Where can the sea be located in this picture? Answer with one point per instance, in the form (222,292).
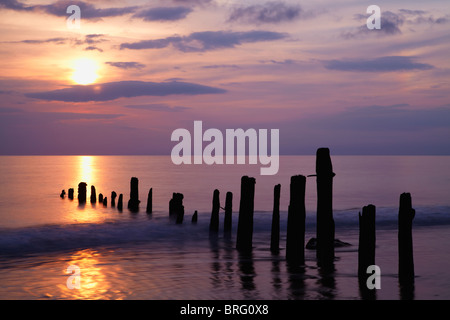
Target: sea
(54,248)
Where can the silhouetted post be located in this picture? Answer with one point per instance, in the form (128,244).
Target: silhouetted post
(228,212)
(244,239)
(105,201)
(405,245)
(63,193)
(70,194)
(295,237)
(120,202)
(113,198)
(150,201)
(367,239)
(93,195)
(100,198)
(275,234)
(82,192)
(194,217)
(214,222)
(133,203)
(325,221)
(176,208)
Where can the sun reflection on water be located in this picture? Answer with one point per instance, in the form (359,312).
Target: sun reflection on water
(86,169)
(98,280)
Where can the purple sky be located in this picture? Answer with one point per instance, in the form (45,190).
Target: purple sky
(312,69)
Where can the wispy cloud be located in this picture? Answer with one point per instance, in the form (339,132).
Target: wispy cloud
(206,40)
(157,107)
(391,22)
(59,8)
(382,64)
(270,12)
(123,89)
(163,13)
(126,65)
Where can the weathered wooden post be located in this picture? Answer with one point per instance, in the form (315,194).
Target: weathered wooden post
(367,240)
(93,195)
(100,198)
(244,239)
(150,201)
(133,203)
(179,208)
(325,221)
(295,237)
(275,232)
(63,193)
(70,193)
(227,225)
(214,222)
(105,201)
(120,202)
(82,192)
(194,217)
(113,198)
(405,244)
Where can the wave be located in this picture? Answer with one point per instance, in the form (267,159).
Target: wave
(123,232)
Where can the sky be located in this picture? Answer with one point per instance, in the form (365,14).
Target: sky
(135,71)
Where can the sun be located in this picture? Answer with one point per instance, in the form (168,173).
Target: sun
(84,71)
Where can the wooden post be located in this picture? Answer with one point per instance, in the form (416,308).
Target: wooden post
(275,234)
(194,217)
(70,193)
(228,212)
(63,193)
(120,202)
(244,239)
(150,201)
(214,222)
(367,240)
(133,203)
(100,198)
(82,192)
(295,237)
(405,245)
(325,221)
(179,207)
(93,195)
(113,198)
(105,201)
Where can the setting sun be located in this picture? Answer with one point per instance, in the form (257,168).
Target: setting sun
(84,71)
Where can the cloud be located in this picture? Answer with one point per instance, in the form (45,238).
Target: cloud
(400,117)
(89,39)
(126,65)
(283,62)
(390,25)
(59,8)
(123,89)
(270,12)
(163,14)
(392,22)
(157,107)
(206,40)
(221,66)
(91,48)
(382,64)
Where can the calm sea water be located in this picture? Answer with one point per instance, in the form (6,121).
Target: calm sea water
(125,255)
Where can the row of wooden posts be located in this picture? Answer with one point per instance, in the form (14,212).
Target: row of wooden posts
(295,237)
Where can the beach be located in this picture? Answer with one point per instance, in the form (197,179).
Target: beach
(126,255)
